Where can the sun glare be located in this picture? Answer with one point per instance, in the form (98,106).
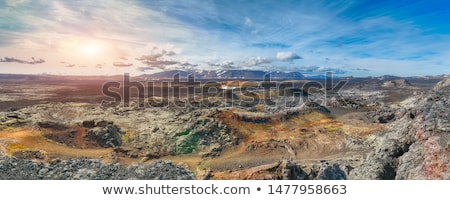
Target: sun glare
(90,50)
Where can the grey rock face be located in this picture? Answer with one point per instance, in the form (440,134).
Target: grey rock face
(291,171)
(417,146)
(108,136)
(331,172)
(18,169)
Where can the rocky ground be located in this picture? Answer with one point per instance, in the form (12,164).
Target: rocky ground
(378,129)
(155,132)
(417,146)
(91,169)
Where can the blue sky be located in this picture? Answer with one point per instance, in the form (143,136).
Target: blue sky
(359,38)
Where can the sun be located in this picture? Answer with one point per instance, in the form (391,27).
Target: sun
(90,49)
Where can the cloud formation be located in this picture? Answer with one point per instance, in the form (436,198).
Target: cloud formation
(361,69)
(394,37)
(258,60)
(14,3)
(287,56)
(187,65)
(330,69)
(162,60)
(158,60)
(143,69)
(121,64)
(16,60)
(320,70)
(226,64)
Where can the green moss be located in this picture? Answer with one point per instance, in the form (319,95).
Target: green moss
(186,132)
(126,137)
(187,145)
(333,129)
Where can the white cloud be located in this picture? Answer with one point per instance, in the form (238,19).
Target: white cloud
(16,60)
(226,64)
(121,64)
(248,21)
(287,56)
(258,60)
(14,3)
(377,42)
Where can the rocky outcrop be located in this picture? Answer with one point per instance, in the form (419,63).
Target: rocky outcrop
(397,83)
(383,115)
(289,170)
(282,170)
(88,134)
(107,136)
(52,125)
(331,172)
(18,169)
(159,131)
(206,136)
(10,120)
(417,146)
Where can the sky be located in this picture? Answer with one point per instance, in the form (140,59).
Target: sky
(107,37)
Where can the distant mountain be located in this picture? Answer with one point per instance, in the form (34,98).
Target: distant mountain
(167,74)
(225,74)
(317,76)
(398,83)
(388,77)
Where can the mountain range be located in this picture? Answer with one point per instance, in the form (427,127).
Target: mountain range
(226,74)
